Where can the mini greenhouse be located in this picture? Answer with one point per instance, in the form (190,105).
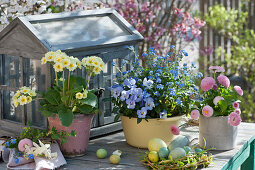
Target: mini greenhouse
(25,41)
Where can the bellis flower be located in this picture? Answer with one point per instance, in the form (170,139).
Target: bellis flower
(194,114)
(207,83)
(174,129)
(239,90)
(235,105)
(217,99)
(207,111)
(223,80)
(234,119)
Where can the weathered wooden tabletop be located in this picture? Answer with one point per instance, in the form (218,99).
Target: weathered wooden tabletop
(130,157)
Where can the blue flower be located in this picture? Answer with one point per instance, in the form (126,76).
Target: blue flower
(123,62)
(160,86)
(144,55)
(16,160)
(172,46)
(31,156)
(158,80)
(19,153)
(146,94)
(151,49)
(177,83)
(130,104)
(157,93)
(157,74)
(171,92)
(193,65)
(170,53)
(154,65)
(142,113)
(7,144)
(151,72)
(116,91)
(163,114)
(199,75)
(181,85)
(13,141)
(159,70)
(149,103)
(139,94)
(124,72)
(169,83)
(118,74)
(124,95)
(178,101)
(195,88)
(113,63)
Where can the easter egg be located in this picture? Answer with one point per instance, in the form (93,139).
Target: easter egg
(187,149)
(177,153)
(163,152)
(155,144)
(178,142)
(153,156)
(114,159)
(101,153)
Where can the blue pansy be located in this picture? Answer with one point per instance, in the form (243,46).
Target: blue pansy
(163,114)
(157,93)
(142,113)
(31,156)
(130,104)
(116,91)
(149,103)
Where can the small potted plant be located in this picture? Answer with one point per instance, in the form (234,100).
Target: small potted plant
(151,98)
(220,112)
(68,104)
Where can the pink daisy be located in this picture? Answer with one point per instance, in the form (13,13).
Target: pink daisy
(223,80)
(194,114)
(238,111)
(239,90)
(216,68)
(207,111)
(235,105)
(174,129)
(234,119)
(207,83)
(23,143)
(217,99)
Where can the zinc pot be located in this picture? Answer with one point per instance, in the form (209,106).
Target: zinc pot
(217,133)
(75,146)
(138,135)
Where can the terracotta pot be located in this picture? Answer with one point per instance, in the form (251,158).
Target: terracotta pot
(75,146)
(138,135)
(217,133)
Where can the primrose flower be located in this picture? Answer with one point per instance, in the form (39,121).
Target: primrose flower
(142,113)
(43,60)
(194,114)
(238,111)
(174,129)
(23,100)
(58,67)
(223,80)
(23,143)
(85,94)
(207,111)
(234,119)
(79,95)
(72,66)
(217,99)
(149,103)
(207,83)
(235,105)
(239,90)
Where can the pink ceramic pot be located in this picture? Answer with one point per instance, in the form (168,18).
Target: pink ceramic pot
(75,146)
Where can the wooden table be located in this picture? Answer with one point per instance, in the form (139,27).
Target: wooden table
(243,155)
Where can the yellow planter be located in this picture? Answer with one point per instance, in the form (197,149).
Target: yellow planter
(138,135)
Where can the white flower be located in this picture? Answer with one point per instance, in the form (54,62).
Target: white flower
(96,70)
(84,62)
(43,60)
(66,62)
(79,95)
(72,66)
(90,61)
(58,67)
(50,56)
(147,83)
(42,150)
(22,100)
(29,99)
(32,93)
(85,94)
(58,58)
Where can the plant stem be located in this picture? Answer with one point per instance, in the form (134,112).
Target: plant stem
(63,82)
(56,78)
(68,79)
(89,75)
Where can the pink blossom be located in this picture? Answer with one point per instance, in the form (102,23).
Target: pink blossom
(217,99)
(23,143)
(216,68)
(207,83)
(174,129)
(234,119)
(239,90)
(207,111)
(223,80)
(194,114)
(235,105)
(238,111)
(215,87)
